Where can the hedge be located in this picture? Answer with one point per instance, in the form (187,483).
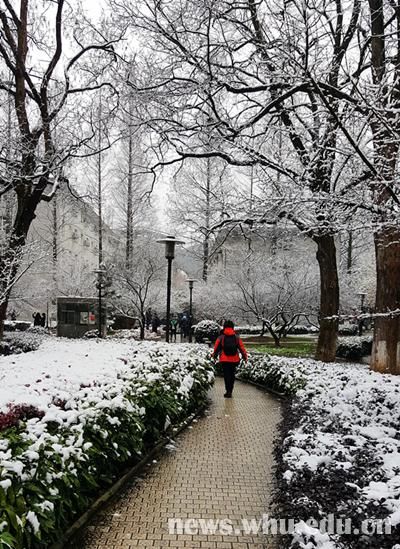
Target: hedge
(55,462)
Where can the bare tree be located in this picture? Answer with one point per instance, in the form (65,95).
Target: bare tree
(42,92)
(277,292)
(202,190)
(384,63)
(243,66)
(137,288)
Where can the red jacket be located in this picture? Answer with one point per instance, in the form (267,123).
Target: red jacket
(219,351)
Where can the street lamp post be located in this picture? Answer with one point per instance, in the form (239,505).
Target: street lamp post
(191,281)
(170,242)
(100,272)
(361,321)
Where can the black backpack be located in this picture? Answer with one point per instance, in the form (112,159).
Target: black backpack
(230,345)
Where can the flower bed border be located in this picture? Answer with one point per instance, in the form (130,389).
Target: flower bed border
(74,532)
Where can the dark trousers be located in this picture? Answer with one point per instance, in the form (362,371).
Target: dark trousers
(229,369)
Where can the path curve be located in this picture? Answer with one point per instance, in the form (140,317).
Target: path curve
(221,469)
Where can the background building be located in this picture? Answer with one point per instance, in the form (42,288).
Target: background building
(63,252)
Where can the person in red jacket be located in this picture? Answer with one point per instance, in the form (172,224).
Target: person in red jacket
(229,347)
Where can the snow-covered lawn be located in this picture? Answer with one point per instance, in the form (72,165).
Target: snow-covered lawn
(341,451)
(73,413)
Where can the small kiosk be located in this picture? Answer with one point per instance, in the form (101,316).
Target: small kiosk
(78,315)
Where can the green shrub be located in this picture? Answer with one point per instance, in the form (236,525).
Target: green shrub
(54,464)
(354,348)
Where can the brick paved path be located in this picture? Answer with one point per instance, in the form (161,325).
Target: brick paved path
(221,469)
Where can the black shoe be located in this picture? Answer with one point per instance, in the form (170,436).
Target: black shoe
(228,395)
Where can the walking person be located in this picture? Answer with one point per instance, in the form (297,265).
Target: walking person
(229,348)
(184,325)
(173,328)
(155,323)
(43,320)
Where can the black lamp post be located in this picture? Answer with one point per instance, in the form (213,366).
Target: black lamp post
(170,242)
(191,281)
(100,272)
(361,321)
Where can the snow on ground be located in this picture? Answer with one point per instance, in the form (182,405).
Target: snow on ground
(59,368)
(347,429)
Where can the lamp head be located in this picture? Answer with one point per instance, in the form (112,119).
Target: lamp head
(191,281)
(170,242)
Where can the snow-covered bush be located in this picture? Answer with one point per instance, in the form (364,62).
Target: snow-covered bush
(78,418)
(248,330)
(38,330)
(301,329)
(347,329)
(13,325)
(273,372)
(354,348)
(14,343)
(206,329)
(134,334)
(339,451)
(91,334)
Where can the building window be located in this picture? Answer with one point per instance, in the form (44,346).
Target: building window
(84,317)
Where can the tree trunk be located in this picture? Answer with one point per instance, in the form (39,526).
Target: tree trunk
(129,205)
(55,242)
(100,190)
(3,316)
(12,256)
(277,341)
(129,197)
(206,241)
(329,300)
(275,337)
(350,252)
(142,325)
(386,346)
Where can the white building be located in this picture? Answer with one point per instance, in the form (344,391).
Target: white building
(63,247)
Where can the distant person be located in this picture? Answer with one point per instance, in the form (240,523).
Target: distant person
(228,348)
(184,325)
(173,327)
(155,323)
(37,319)
(43,320)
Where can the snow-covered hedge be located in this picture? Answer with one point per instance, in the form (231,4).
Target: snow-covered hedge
(13,325)
(20,342)
(340,452)
(86,410)
(354,348)
(301,329)
(273,372)
(247,329)
(206,329)
(348,329)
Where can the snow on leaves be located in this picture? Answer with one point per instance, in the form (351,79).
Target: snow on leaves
(72,413)
(341,451)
